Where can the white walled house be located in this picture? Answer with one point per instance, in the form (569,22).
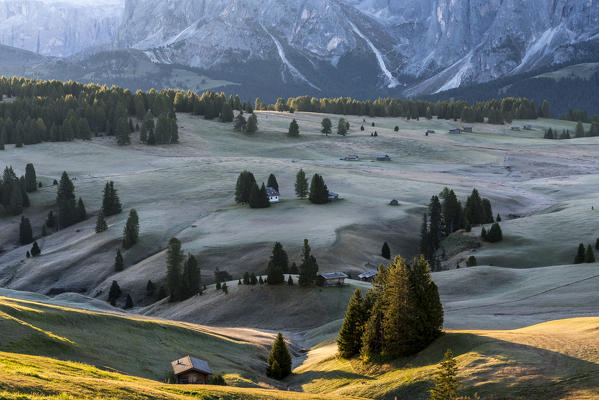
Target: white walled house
(273,195)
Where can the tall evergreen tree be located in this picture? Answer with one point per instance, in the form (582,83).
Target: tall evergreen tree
(259,197)
(589,256)
(272,182)
(293,129)
(327,126)
(252,124)
(446,380)
(101,225)
(277,265)
(580,255)
(319,193)
(174,260)
(226,113)
(191,277)
(349,339)
(131,230)
(35,250)
(386,251)
(579,130)
(25,231)
(30,178)
(245,182)
(118,261)
(435,223)
(128,302)
(301,184)
(114,293)
(279,359)
(342,127)
(111,204)
(65,199)
(80,212)
(308,269)
(494,235)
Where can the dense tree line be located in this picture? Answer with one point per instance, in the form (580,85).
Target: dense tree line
(400,315)
(446,215)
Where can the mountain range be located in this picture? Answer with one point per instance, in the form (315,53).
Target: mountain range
(363,48)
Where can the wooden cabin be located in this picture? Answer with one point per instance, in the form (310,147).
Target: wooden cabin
(383,157)
(467,129)
(368,276)
(331,279)
(515,128)
(191,370)
(455,131)
(352,157)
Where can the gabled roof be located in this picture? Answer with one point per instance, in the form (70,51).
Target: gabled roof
(271,191)
(189,363)
(334,275)
(368,274)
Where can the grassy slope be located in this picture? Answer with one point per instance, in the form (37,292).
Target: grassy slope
(554,360)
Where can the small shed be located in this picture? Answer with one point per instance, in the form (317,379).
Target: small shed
(333,196)
(191,370)
(455,131)
(368,276)
(273,194)
(467,129)
(394,202)
(383,157)
(352,157)
(332,279)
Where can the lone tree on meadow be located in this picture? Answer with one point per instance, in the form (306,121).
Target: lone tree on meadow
(278,265)
(327,126)
(279,359)
(25,231)
(319,193)
(301,184)
(252,124)
(446,380)
(349,339)
(245,182)
(580,254)
(118,261)
(342,127)
(30,178)
(114,293)
(386,251)
(589,257)
(131,231)
(35,250)
(293,129)
(111,204)
(65,199)
(272,182)
(174,260)
(101,225)
(308,269)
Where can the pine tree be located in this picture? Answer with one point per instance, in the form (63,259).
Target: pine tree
(545,109)
(483,234)
(278,265)
(240,124)
(191,277)
(435,223)
(579,130)
(114,293)
(326,126)
(128,302)
(342,127)
(245,182)
(580,255)
(80,212)
(122,131)
(35,250)
(494,235)
(118,261)
(279,359)
(349,339)
(111,204)
(30,178)
(272,182)
(174,260)
(590,255)
(386,251)
(308,269)
(498,218)
(259,197)
(446,380)
(293,129)
(101,225)
(25,231)
(319,193)
(65,199)
(252,124)
(471,262)
(597,244)
(150,288)
(131,230)
(226,113)
(301,184)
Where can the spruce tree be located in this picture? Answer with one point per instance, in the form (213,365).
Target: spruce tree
(128,302)
(80,212)
(246,278)
(114,293)
(589,255)
(279,359)
(118,261)
(191,277)
(471,262)
(174,260)
(101,225)
(252,124)
(278,265)
(308,269)
(65,199)
(111,204)
(259,197)
(293,129)
(326,126)
(253,279)
(245,182)
(150,288)
(51,220)
(579,130)
(386,251)
(226,113)
(25,231)
(319,193)
(272,182)
(349,339)
(580,255)
(446,380)
(494,235)
(435,229)
(224,288)
(131,230)
(342,127)
(428,311)
(597,244)
(30,178)
(35,250)
(301,184)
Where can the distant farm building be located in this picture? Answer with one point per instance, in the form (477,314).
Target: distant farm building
(333,196)
(515,128)
(191,370)
(368,276)
(383,157)
(394,202)
(528,127)
(467,129)
(352,157)
(273,194)
(331,279)
(455,131)
(430,131)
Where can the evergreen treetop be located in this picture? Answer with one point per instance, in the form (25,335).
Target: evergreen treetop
(279,359)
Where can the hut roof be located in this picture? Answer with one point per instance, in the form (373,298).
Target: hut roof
(334,275)
(189,363)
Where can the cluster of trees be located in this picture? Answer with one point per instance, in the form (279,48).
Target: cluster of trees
(447,216)
(494,234)
(182,273)
(579,115)
(400,315)
(278,266)
(319,192)
(115,293)
(14,190)
(497,111)
(342,127)
(585,256)
(249,125)
(248,192)
(63,111)
(163,131)
(579,132)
